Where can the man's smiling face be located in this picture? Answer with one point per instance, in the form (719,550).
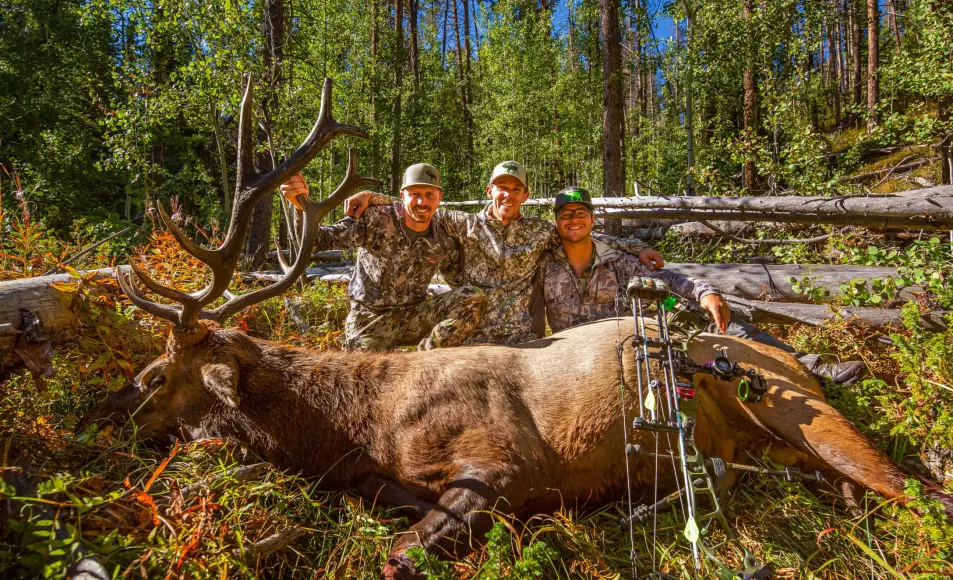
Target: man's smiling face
(420,202)
(507,194)
(574,222)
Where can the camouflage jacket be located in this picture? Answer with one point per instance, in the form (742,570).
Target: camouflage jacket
(600,291)
(392,268)
(502,261)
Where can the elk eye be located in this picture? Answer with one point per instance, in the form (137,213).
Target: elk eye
(157,381)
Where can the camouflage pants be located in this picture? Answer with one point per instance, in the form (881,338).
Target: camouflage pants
(442,320)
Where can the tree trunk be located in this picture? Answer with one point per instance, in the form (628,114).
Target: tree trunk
(259,234)
(467,82)
(751,95)
(894,27)
(853,10)
(395,164)
(873,86)
(375,113)
(613,120)
(834,68)
(414,45)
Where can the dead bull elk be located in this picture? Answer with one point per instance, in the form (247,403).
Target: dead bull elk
(449,433)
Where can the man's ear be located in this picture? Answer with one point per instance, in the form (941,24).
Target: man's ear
(221,379)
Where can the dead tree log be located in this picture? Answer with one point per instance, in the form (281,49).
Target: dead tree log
(757,282)
(930,208)
(760,312)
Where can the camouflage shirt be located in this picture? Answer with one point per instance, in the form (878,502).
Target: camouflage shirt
(600,291)
(502,260)
(393,268)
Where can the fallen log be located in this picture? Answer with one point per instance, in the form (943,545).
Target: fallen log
(930,208)
(761,312)
(772,281)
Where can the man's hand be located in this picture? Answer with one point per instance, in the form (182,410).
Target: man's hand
(355,205)
(293,189)
(651,258)
(719,310)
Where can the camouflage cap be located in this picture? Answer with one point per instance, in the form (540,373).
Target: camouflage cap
(510,168)
(572,195)
(421,174)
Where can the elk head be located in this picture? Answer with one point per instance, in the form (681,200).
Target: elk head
(199,371)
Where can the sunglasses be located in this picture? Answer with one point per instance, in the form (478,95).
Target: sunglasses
(573,214)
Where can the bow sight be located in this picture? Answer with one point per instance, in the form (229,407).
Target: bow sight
(668,393)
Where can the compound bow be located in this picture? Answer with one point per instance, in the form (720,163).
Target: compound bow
(669,396)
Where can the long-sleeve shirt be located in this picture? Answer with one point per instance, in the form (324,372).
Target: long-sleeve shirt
(394,265)
(600,292)
(502,260)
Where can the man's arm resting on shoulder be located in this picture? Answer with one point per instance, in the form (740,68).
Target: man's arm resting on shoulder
(634,246)
(355,205)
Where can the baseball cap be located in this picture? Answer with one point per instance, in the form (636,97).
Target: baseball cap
(510,168)
(572,195)
(421,174)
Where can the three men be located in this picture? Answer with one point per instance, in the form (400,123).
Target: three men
(401,247)
(583,280)
(501,251)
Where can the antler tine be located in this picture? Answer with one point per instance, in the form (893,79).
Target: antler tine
(245,172)
(313,212)
(208,256)
(249,191)
(128,286)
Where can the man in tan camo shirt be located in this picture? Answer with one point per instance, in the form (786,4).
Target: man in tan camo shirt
(401,247)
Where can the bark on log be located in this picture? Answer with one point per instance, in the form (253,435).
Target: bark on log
(759,312)
(756,281)
(36,295)
(932,210)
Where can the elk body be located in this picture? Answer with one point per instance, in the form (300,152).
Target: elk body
(448,433)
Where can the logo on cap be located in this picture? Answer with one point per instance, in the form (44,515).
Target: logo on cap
(574,194)
(430,173)
(511,167)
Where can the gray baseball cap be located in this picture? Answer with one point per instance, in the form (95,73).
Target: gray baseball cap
(421,174)
(510,168)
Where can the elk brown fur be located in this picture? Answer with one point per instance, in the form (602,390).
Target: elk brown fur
(451,433)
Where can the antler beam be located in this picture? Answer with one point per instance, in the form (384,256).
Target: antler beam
(250,187)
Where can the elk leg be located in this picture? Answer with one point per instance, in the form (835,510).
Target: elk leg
(383,491)
(462,510)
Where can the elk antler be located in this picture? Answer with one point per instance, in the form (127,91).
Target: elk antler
(250,187)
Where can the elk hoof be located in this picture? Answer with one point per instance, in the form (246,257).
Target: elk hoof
(400,568)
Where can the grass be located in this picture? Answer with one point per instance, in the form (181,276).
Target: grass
(125,504)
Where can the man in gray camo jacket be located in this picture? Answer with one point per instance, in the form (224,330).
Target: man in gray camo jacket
(583,280)
(401,247)
(501,252)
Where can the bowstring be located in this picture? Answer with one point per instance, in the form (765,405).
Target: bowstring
(625,449)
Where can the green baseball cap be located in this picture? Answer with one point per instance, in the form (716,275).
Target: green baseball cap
(510,168)
(421,174)
(572,195)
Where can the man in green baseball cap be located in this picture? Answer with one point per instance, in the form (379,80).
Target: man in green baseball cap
(584,280)
(501,251)
(400,250)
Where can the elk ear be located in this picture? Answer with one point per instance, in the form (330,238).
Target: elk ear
(221,378)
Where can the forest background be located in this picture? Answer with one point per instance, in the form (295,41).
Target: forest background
(107,107)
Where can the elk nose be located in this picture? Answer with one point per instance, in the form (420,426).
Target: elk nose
(115,408)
